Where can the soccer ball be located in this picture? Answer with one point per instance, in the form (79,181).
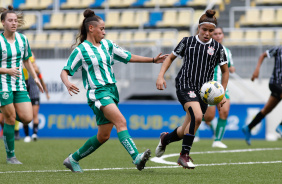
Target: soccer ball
(212,92)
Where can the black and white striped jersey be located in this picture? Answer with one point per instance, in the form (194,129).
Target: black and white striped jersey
(199,61)
(276,77)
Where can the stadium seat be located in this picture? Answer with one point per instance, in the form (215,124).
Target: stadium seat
(30,38)
(182,34)
(125,38)
(40,40)
(112,18)
(267,16)
(68,40)
(113,3)
(252,17)
(69,20)
(30,4)
(44,4)
(169,3)
(112,35)
(127,3)
(127,19)
(278,17)
(154,37)
(267,37)
(140,38)
(54,39)
(169,38)
(279,36)
(251,37)
(184,18)
(169,19)
(30,21)
(197,15)
(141,17)
(56,21)
(5,3)
(268,2)
(236,37)
(152,3)
(70,4)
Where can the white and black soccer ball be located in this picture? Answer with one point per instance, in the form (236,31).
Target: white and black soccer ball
(212,92)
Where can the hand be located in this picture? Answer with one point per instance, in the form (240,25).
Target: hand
(160,58)
(72,88)
(36,80)
(160,83)
(220,104)
(47,96)
(14,72)
(255,75)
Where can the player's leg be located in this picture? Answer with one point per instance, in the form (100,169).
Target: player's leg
(209,116)
(2,124)
(17,130)
(221,124)
(279,129)
(35,108)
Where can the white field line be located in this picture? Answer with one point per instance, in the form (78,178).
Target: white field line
(163,161)
(173,163)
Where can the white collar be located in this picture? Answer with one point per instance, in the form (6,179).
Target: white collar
(197,37)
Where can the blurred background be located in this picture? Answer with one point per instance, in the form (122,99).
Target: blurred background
(147,27)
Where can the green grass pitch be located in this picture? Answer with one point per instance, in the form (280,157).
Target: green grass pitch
(43,163)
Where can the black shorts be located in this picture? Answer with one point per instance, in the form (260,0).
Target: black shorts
(35,101)
(190,95)
(276,90)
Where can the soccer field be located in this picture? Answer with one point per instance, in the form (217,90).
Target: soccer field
(43,163)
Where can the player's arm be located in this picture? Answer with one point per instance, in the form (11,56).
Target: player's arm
(225,75)
(11,71)
(71,87)
(141,59)
(260,60)
(161,83)
(31,71)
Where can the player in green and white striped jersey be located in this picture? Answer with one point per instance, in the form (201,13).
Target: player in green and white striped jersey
(14,99)
(223,113)
(95,56)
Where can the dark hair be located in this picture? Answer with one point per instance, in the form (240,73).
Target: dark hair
(89,17)
(208,17)
(10,9)
(218,27)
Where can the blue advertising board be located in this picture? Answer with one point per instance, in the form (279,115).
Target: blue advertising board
(144,120)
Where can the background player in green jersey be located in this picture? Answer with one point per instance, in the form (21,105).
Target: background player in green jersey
(95,56)
(14,99)
(218,35)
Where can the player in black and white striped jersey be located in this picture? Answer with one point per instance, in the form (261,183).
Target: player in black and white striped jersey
(200,55)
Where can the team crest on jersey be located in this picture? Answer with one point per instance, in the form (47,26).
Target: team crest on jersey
(22,48)
(5,96)
(210,51)
(192,94)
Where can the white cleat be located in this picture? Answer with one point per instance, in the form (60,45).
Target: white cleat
(27,139)
(34,137)
(196,139)
(218,144)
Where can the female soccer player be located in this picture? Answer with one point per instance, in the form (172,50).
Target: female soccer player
(96,55)
(200,55)
(275,86)
(223,113)
(14,99)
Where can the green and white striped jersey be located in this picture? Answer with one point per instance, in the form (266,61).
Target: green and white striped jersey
(96,62)
(12,55)
(217,72)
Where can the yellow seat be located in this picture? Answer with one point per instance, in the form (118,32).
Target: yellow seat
(182,34)
(141,17)
(197,15)
(278,17)
(114,3)
(70,4)
(152,3)
(251,37)
(67,40)
(126,19)
(154,37)
(125,38)
(112,35)
(169,3)
(236,37)
(54,39)
(30,19)
(169,19)
(69,20)
(267,37)
(184,18)
(56,21)
(29,4)
(197,3)
(30,38)
(169,38)
(252,17)
(43,4)
(127,3)
(112,18)
(40,40)
(279,36)
(267,16)
(139,38)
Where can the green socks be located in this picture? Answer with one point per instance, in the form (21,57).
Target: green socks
(128,143)
(89,147)
(220,129)
(9,139)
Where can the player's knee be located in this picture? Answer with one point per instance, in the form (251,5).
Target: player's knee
(104,137)
(26,119)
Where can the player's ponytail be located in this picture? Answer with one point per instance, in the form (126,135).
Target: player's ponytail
(89,18)
(208,17)
(10,9)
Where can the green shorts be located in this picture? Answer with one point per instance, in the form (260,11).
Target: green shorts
(8,97)
(102,97)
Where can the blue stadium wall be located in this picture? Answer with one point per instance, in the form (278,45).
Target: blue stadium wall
(145,120)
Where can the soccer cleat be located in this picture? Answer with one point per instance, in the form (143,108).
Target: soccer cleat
(196,139)
(13,160)
(27,139)
(218,144)
(141,159)
(34,137)
(161,146)
(247,133)
(185,161)
(279,130)
(17,136)
(71,164)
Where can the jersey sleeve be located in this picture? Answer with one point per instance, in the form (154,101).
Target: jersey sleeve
(27,51)
(272,52)
(229,57)
(179,50)
(222,56)
(120,55)
(74,62)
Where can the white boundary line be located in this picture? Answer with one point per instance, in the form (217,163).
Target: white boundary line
(172,164)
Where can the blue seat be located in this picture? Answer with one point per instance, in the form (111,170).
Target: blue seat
(97,3)
(154,18)
(139,3)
